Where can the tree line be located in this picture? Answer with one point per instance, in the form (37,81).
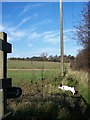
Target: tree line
(44,57)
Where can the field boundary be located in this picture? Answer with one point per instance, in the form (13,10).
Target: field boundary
(32,69)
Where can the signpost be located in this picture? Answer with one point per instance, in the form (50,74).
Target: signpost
(13,92)
(6,89)
(3,72)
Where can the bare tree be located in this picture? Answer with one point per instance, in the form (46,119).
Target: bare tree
(83,29)
(83,37)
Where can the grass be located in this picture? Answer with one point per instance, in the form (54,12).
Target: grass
(22,64)
(32,75)
(57,107)
(82,79)
(41,99)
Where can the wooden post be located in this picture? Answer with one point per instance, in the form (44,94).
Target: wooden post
(61,38)
(3,74)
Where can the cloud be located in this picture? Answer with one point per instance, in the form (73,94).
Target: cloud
(24,20)
(18,34)
(31,35)
(28,7)
(14,28)
(49,51)
(14,34)
(30,45)
(68,30)
(13,37)
(52,37)
(47,36)
(72,50)
(1,28)
(68,34)
(35,35)
(41,23)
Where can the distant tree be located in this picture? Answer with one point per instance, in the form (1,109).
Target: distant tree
(27,58)
(56,58)
(44,56)
(50,58)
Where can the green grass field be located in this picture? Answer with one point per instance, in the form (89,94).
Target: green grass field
(22,64)
(32,71)
(40,80)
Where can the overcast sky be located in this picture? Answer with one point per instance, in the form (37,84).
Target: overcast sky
(33,28)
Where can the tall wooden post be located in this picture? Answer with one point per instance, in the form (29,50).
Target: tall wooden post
(3,74)
(6,89)
(61,38)
(4,81)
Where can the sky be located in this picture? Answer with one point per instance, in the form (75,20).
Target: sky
(33,28)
